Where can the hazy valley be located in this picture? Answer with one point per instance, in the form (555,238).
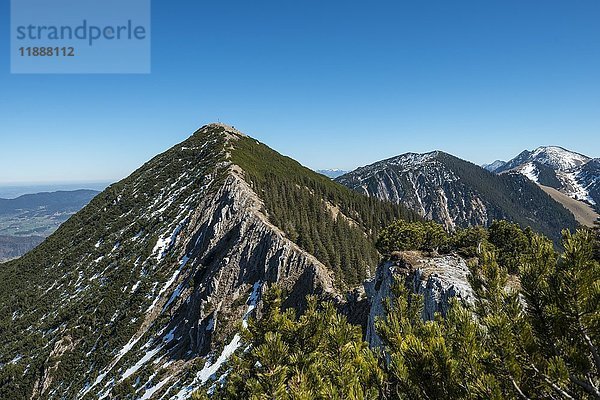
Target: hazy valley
(26,220)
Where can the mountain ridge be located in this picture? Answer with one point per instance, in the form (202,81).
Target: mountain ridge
(494,165)
(332,172)
(458,193)
(71,199)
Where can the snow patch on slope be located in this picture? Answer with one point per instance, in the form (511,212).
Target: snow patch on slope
(530,172)
(150,392)
(164,244)
(575,189)
(147,357)
(168,283)
(209,370)
(558,158)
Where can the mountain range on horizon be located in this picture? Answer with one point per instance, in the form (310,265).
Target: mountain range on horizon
(143,292)
(14,190)
(570,178)
(332,173)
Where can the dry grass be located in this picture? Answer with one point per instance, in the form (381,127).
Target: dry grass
(584,213)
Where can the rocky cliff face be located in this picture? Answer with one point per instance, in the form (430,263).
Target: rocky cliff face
(438,279)
(423,183)
(588,178)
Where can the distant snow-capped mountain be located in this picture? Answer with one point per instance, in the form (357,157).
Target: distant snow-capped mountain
(332,173)
(494,166)
(555,157)
(574,174)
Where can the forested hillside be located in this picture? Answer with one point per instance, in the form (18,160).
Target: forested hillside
(514,198)
(15,246)
(323,217)
(26,220)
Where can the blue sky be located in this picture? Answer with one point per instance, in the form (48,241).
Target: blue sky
(333,84)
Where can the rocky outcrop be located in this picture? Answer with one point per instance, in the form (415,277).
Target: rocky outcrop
(437,278)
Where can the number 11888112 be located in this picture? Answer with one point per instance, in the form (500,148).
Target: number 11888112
(47,52)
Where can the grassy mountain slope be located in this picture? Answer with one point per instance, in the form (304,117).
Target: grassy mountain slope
(584,213)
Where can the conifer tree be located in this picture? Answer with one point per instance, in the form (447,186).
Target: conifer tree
(470,242)
(434,236)
(563,303)
(511,242)
(440,359)
(316,356)
(499,312)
